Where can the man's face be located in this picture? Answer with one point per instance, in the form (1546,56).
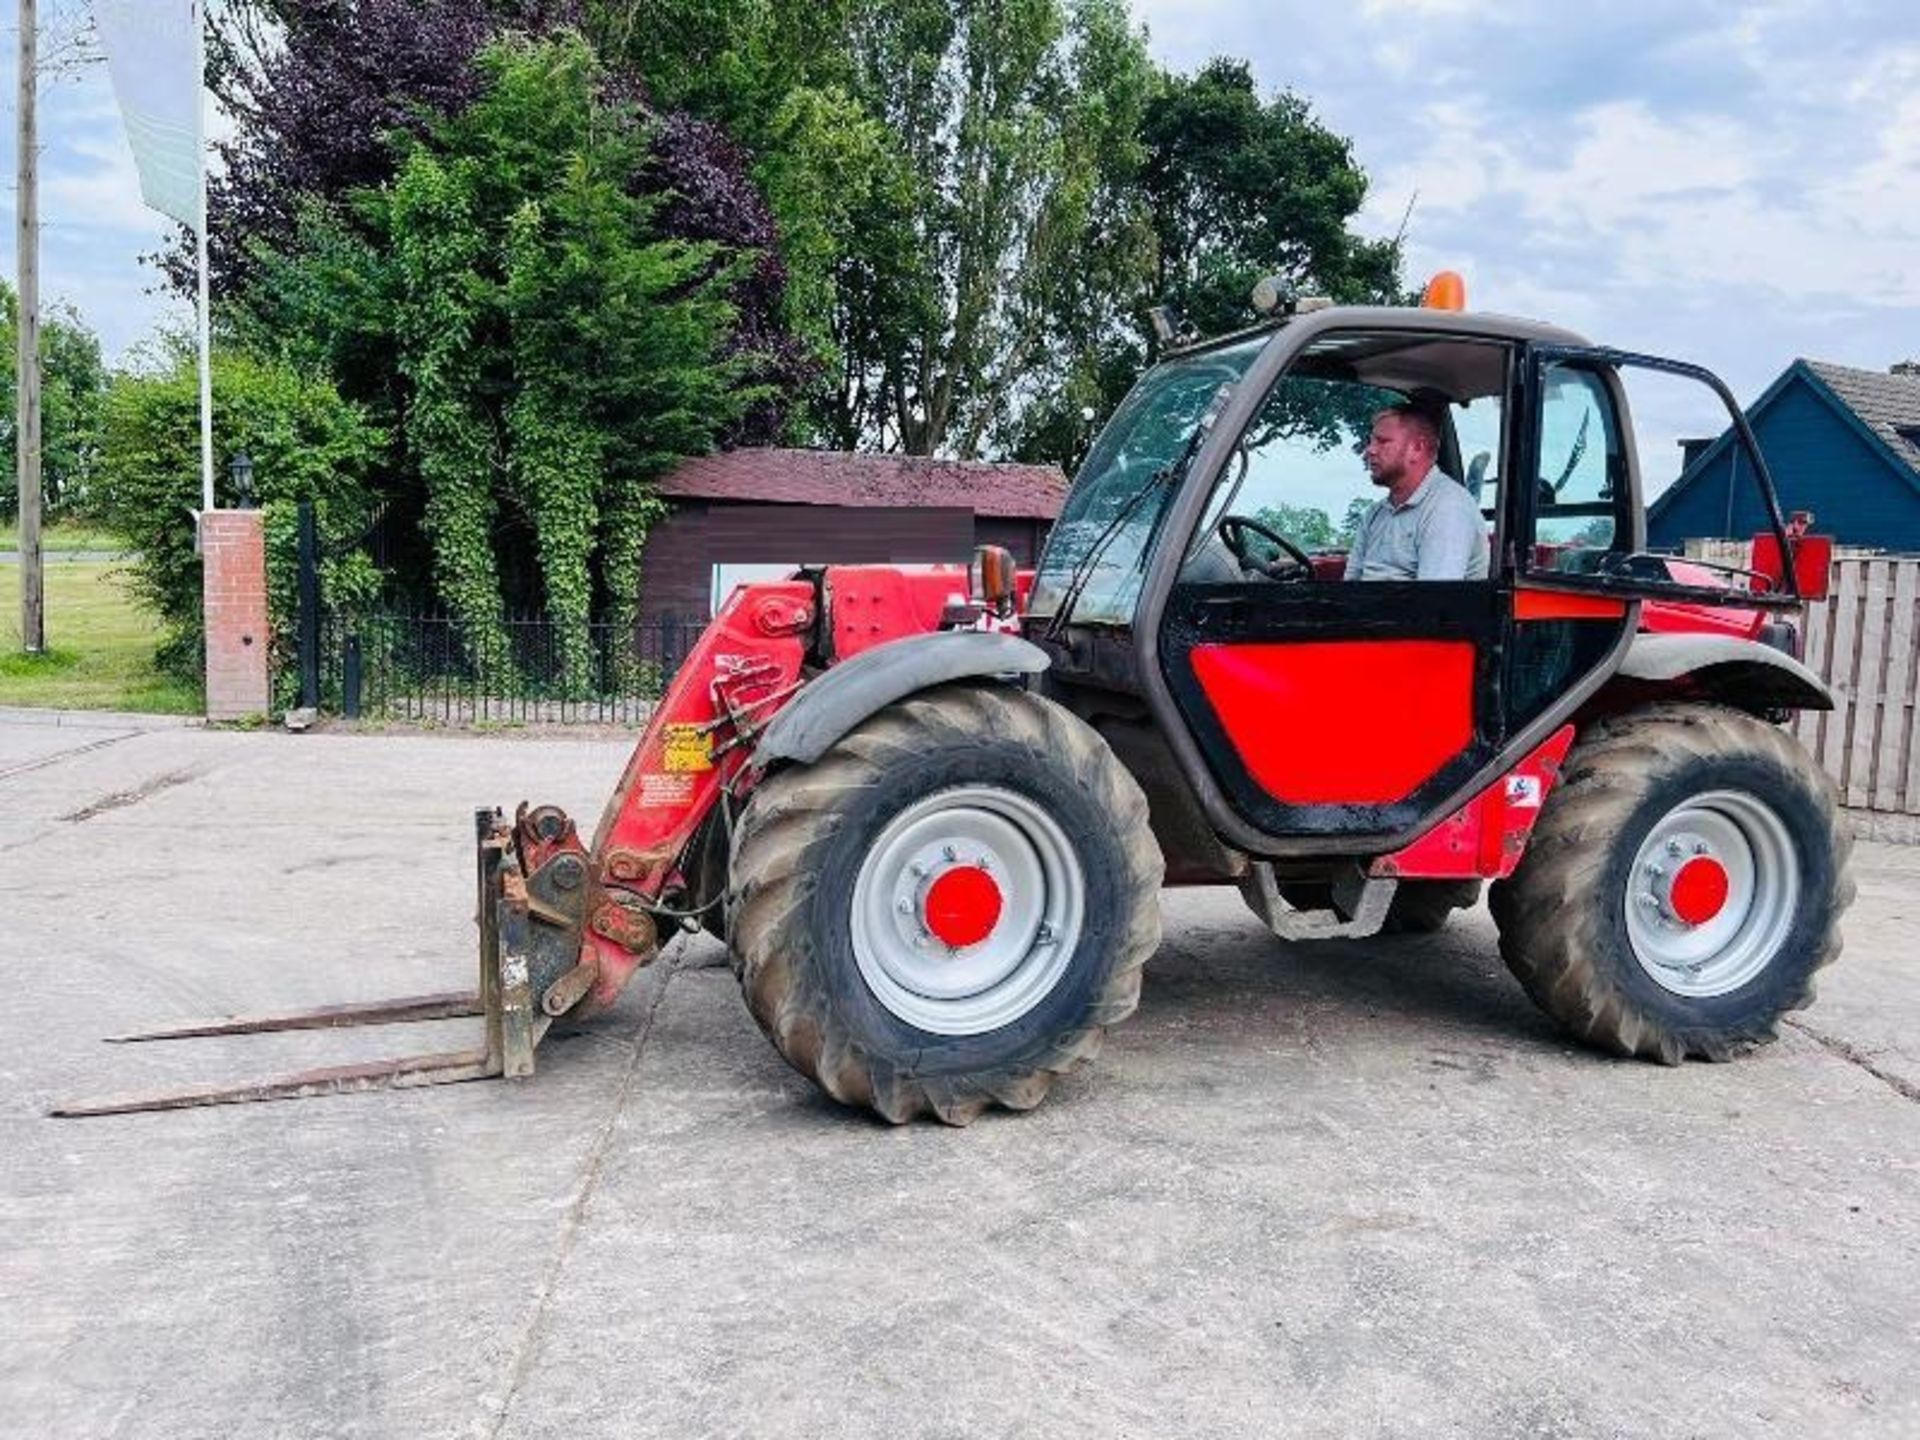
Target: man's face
(1395,451)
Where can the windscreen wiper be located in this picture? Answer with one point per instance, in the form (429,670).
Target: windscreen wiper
(1168,474)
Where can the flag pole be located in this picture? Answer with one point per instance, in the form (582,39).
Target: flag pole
(206,324)
(28,462)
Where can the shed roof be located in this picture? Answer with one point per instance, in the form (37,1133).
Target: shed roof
(835,477)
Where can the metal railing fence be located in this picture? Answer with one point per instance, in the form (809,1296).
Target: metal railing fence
(425,668)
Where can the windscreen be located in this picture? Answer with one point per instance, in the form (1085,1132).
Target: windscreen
(1148,432)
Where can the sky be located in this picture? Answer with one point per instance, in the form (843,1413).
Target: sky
(1736,184)
(1732,184)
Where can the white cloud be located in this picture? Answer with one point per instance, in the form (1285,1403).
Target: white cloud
(96,186)
(1373,9)
(1670,204)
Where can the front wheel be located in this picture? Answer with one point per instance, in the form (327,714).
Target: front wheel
(1682,888)
(948,909)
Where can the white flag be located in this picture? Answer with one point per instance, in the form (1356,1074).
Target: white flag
(153,54)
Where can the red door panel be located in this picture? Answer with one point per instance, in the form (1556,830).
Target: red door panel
(1357,722)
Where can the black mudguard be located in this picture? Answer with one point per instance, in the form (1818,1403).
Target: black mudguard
(843,696)
(1741,672)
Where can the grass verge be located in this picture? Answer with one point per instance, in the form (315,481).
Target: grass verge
(55,539)
(99,646)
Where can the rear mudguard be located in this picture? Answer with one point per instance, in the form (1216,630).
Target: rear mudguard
(1741,672)
(841,697)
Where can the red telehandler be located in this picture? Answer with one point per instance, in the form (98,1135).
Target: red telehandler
(931,811)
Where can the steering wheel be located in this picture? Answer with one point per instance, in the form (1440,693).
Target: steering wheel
(1234,530)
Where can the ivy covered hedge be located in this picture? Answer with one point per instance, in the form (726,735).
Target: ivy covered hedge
(545,346)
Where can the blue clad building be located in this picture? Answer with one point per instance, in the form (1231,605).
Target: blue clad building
(1841,443)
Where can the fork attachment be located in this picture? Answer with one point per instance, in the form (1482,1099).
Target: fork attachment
(530,928)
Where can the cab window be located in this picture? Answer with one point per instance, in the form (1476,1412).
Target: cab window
(1294,494)
(1582,480)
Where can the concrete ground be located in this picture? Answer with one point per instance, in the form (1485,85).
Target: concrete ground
(1308,1190)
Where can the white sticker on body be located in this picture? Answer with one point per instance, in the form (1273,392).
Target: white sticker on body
(657,790)
(1523,792)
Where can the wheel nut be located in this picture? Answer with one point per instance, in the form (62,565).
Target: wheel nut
(1674,847)
(905,907)
(950,853)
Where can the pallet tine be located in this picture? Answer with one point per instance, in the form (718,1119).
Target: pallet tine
(447,1005)
(505,998)
(407,1072)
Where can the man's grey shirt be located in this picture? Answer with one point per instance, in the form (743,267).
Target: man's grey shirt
(1437,535)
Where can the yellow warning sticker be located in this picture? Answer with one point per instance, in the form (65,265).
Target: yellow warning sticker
(685,749)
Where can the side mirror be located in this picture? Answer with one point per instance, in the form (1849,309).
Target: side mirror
(993,579)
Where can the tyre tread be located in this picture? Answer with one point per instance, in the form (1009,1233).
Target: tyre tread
(1546,913)
(792,811)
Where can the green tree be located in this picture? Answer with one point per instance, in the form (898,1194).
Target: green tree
(1240,187)
(1308,526)
(549,351)
(73,384)
(955,190)
(978,202)
(1350,523)
(306,444)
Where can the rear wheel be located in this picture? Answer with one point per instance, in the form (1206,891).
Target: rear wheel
(1684,884)
(948,909)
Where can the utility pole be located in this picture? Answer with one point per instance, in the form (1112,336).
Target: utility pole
(33,635)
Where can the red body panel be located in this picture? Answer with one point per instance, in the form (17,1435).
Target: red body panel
(1563,605)
(1344,721)
(868,605)
(1812,563)
(744,668)
(1667,617)
(1486,837)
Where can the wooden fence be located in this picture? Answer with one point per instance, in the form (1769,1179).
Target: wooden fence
(1861,641)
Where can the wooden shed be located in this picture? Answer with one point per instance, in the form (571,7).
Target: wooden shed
(746,511)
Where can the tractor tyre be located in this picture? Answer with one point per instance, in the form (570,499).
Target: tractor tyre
(1419,907)
(1682,887)
(948,909)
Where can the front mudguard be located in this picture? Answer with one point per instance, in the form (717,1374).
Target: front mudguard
(839,698)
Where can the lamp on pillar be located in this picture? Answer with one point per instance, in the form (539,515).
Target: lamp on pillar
(241,469)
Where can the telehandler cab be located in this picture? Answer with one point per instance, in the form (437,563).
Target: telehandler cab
(931,812)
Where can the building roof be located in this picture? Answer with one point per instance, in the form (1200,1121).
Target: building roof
(834,477)
(1887,404)
(1882,406)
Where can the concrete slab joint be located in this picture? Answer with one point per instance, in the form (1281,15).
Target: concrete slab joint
(234,604)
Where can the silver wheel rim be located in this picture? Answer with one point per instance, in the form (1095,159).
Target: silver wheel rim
(975,988)
(1751,845)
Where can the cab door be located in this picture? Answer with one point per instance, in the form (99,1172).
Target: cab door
(1325,709)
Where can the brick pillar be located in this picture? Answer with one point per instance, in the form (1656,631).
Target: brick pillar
(233,557)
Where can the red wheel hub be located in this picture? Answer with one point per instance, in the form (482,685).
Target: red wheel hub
(963,906)
(1699,890)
